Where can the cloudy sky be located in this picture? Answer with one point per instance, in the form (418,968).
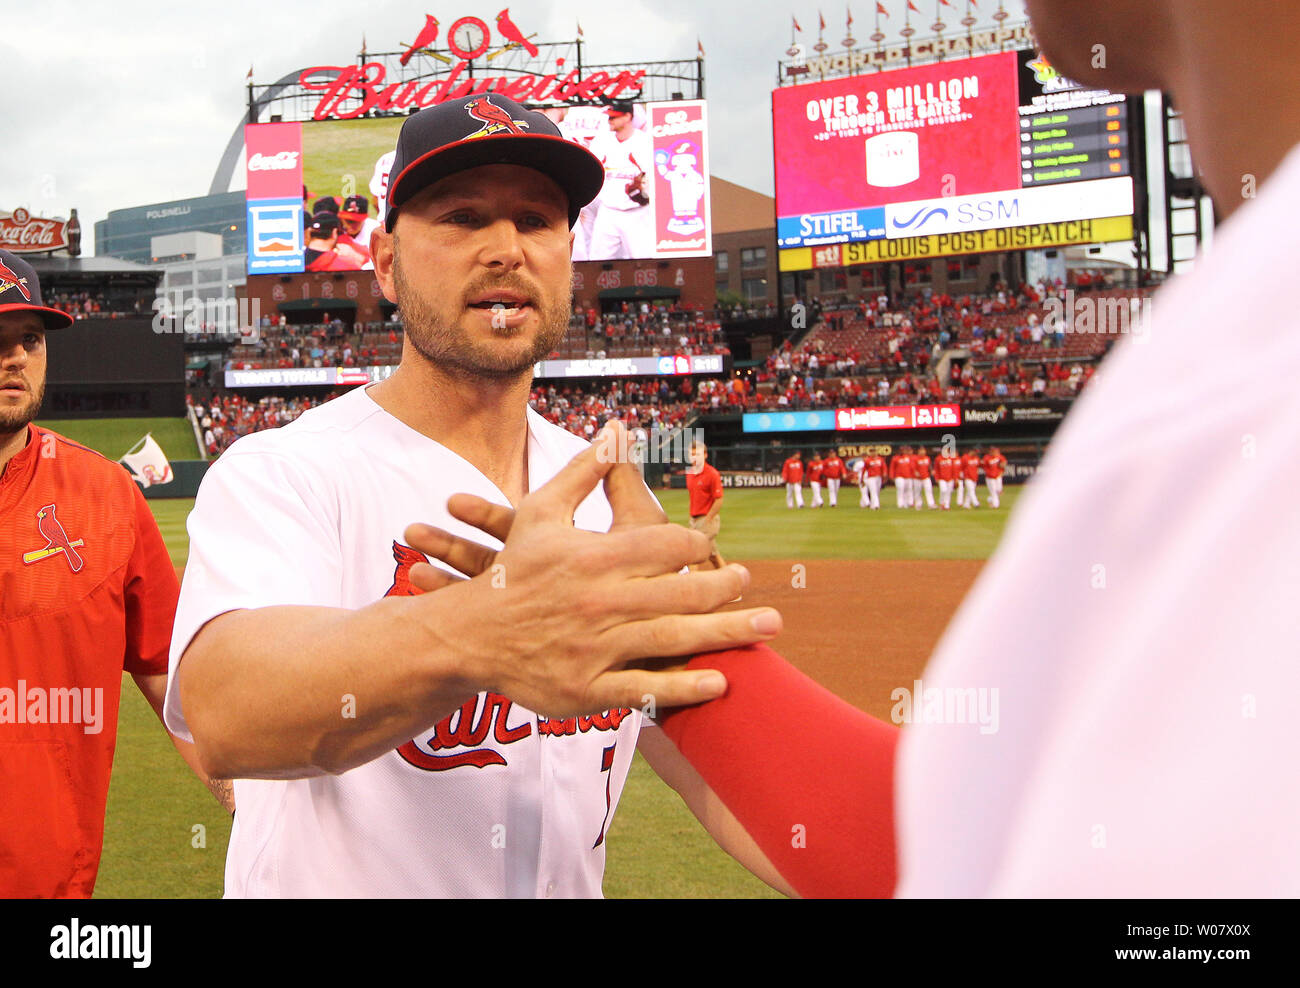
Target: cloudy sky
(124,104)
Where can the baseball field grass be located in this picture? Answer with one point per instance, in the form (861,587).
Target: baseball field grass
(166,837)
(338,159)
(114,437)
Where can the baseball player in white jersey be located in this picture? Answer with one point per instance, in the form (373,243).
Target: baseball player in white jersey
(471,739)
(582,125)
(624,226)
(379,182)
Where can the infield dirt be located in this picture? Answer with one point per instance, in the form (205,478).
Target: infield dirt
(861,628)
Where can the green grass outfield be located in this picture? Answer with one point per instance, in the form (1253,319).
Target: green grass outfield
(113,437)
(338,159)
(655,848)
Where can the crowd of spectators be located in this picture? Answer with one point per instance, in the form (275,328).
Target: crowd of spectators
(642,329)
(227,417)
(95,305)
(1001,346)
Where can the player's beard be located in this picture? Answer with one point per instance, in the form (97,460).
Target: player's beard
(13,420)
(447,345)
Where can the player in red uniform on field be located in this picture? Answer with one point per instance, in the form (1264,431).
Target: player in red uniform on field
(900,471)
(833,471)
(994,464)
(921,482)
(815,479)
(88,592)
(948,469)
(704,484)
(873,472)
(970,468)
(792,474)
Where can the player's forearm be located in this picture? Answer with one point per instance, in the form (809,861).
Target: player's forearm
(293,692)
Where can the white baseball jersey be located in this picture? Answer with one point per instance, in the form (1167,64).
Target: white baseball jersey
(624,161)
(1148,729)
(583,124)
(492,801)
(379,181)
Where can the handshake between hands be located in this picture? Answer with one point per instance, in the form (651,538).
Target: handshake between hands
(568,622)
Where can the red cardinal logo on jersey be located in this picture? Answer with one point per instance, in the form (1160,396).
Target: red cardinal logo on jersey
(495,119)
(406,558)
(511,33)
(56,541)
(8,280)
(469,726)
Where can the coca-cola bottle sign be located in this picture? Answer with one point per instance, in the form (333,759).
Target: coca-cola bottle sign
(21,232)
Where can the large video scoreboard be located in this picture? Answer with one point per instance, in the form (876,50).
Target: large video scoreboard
(987,153)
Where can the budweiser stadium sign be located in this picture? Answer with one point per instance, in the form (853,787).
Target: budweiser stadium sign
(350,91)
(21,232)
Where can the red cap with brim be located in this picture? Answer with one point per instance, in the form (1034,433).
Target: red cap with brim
(20,291)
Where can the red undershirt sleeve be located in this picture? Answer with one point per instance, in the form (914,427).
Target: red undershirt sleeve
(810,777)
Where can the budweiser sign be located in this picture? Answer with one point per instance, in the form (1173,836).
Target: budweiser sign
(350,91)
(283,161)
(21,232)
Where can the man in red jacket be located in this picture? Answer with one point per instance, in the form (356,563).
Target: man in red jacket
(792,474)
(89,591)
(704,485)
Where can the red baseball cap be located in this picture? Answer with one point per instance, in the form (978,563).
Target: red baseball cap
(20,291)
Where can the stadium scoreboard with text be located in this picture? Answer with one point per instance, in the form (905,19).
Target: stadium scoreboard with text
(933,155)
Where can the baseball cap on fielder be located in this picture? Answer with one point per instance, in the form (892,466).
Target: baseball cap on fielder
(324,223)
(355,208)
(20,291)
(488,129)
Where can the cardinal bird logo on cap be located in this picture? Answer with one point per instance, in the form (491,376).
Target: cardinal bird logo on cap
(495,119)
(8,280)
(56,541)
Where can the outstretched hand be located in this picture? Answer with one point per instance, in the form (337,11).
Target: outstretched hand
(573,613)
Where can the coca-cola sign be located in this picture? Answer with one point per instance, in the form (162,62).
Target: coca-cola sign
(281,161)
(351,91)
(21,232)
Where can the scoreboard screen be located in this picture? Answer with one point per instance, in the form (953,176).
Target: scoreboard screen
(947,149)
